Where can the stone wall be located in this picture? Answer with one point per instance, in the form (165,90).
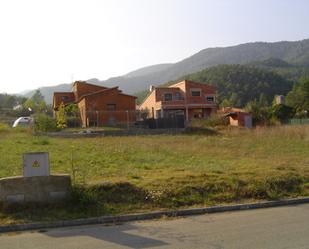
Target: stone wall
(42,189)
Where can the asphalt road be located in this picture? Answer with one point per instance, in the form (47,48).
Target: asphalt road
(281,227)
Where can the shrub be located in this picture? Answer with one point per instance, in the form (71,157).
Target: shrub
(61,118)
(82,196)
(206,126)
(121,192)
(73,122)
(212,121)
(44,123)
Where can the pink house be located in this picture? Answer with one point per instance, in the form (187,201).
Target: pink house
(186,98)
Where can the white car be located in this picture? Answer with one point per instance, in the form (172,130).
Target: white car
(22,121)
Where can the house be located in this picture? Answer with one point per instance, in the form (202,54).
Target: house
(186,98)
(237,117)
(98,105)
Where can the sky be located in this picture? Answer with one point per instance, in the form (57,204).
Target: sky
(49,42)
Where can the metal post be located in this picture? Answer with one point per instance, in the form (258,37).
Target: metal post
(187,113)
(128,121)
(97,118)
(72,166)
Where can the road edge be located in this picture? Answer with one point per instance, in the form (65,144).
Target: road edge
(150,215)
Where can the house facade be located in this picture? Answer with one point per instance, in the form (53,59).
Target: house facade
(98,105)
(186,98)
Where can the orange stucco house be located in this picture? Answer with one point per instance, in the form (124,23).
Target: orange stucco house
(98,105)
(186,98)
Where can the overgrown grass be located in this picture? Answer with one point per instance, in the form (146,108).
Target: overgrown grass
(134,173)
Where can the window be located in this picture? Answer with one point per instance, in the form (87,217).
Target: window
(195,92)
(210,99)
(64,98)
(178,96)
(168,97)
(111,107)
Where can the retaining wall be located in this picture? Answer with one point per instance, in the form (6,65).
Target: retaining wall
(40,189)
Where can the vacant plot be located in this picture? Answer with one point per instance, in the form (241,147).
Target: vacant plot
(125,174)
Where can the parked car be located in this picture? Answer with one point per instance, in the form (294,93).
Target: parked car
(22,121)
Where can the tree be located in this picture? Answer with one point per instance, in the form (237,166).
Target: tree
(29,104)
(234,100)
(299,97)
(263,100)
(260,114)
(225,103)
(36,103)
(72,110)
(9,101)
(60,117)
(282,112)
(37,97)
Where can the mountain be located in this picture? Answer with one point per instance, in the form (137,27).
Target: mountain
(295,54)
(48,91)
(148,70)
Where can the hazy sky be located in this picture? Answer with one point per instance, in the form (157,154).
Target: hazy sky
(50,42)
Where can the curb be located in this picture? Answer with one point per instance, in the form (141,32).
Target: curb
(151,215)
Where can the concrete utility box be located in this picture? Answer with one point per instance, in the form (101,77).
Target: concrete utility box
(36,184)
(35,164)
(41,189)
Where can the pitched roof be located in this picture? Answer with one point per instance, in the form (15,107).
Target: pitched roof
(86,83)
(104,91)
(57,98)
(166,88)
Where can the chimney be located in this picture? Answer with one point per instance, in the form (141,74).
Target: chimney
(279,100)
(151,88)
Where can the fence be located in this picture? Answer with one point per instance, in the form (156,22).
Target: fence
(166,123)
(114,118)
(8,116)
(295,121)
(124,119)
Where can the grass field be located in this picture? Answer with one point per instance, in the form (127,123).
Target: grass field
(134,173)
